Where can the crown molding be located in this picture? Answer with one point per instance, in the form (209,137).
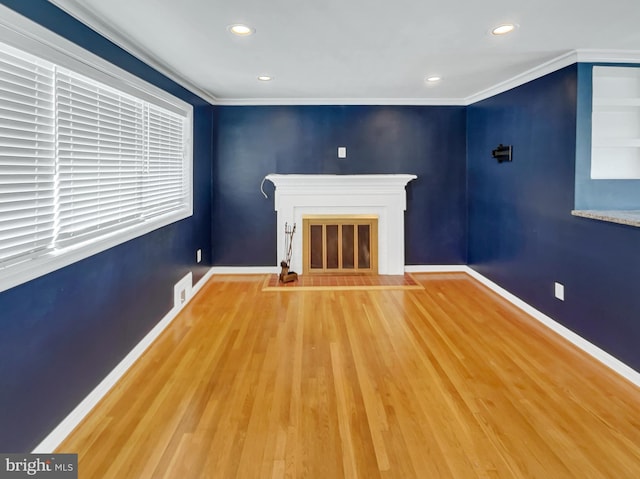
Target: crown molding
(84,15)
(608,56)
(541,70)
(341,101)
(122,40)
(564,60)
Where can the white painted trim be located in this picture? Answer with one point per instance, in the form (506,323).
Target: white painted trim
(82,14)
(69,423)
(561,61)
(550,66)
(14,275)
(27,35)
(245,269)
(436,268)
(608,56)
(201,282)
(342,101)
(564,60)
(74,418)
(381,195)
(605,358)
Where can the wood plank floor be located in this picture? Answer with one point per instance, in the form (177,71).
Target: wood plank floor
(446,382)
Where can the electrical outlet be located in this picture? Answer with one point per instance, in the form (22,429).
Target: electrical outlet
(342,152)
(198,256)
(559,291)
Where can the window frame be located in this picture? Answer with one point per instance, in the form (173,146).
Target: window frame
(25,35)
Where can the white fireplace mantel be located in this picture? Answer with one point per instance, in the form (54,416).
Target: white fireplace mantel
(380,195)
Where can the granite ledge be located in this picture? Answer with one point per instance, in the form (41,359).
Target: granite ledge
(623,217)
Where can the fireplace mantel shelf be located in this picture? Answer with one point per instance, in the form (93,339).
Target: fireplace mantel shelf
(298,181)
(381,195)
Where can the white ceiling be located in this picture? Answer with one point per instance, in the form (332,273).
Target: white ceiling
(362,51)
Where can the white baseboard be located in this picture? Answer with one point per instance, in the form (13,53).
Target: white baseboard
(245,269)
(436,268)
(605,358)
(69,423)
(74,418)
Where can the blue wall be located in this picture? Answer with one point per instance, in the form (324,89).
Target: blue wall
(521,233)
(61,334)
(255,141)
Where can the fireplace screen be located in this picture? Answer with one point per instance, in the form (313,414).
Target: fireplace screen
(340,244)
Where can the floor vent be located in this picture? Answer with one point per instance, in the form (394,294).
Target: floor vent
(182,290)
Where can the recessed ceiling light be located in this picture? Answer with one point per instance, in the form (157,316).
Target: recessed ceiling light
(241,30)
(504,29)
(265,78)
(433,79)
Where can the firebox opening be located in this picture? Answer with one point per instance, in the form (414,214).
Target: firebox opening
(340,244)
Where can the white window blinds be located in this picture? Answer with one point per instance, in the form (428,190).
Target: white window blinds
(80,159)
(163,186)
(100,157)
(27,156)
(119,159)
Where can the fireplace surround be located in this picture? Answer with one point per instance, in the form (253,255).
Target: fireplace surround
(381,195)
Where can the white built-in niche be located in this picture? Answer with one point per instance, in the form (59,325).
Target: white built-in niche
(615,136)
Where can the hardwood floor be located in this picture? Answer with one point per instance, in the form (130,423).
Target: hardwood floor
(446,382)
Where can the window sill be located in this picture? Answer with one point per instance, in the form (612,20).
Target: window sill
(623,217)
(19,273)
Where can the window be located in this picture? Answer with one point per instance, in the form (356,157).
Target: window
(88,159)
